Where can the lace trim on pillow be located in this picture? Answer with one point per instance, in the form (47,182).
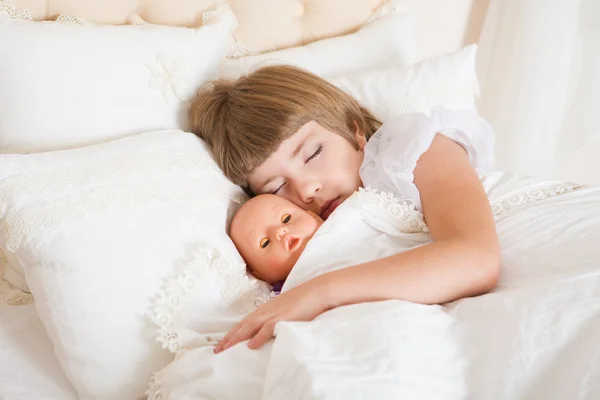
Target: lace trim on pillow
(389,7)
(51,214)
(207,269)
(125,167)
(407,219)
(389,209)
(135,19)
(502,208)
(238,50)
(235,49)
(69,19)
(154,391)
(9,11)
(8,293)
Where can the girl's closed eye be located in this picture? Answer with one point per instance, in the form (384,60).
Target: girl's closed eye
(278,189)
(264,242)
(315,154)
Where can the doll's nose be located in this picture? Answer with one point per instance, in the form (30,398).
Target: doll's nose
(281,232)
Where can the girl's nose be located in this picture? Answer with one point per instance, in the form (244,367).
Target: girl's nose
(308,190)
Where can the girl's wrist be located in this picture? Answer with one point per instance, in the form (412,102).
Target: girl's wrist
(326,292)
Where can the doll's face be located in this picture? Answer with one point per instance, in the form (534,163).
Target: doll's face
(270,233)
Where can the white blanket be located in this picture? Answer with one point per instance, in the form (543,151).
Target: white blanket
(534,337)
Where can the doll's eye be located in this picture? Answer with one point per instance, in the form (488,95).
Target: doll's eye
(286,218)
(264,242)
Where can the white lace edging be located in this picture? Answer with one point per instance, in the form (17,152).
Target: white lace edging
(130,166)
(118,183)
(389,209)
(235,48)
(503,207)
(208,268)
(136,19)
(9,11)
(407,219)
(154,391)
(51,214)
(10,294)
(389,7)
(70,19)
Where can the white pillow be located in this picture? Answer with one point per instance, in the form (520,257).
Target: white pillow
(448,80)
(100,229)
(68,85)
(385,42)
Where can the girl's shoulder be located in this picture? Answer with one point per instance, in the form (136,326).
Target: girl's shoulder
(392,153)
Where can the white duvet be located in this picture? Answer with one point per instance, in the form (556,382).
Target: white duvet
(536,336)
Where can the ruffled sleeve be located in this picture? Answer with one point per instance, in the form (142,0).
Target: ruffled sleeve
(391,154)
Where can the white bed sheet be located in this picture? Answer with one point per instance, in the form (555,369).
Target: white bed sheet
(28,367)
(534,337)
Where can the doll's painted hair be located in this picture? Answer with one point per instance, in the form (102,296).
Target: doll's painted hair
(244,121)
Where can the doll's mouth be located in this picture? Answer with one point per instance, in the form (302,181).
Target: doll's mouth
(292,242)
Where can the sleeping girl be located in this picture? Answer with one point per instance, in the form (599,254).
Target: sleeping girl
(284,131)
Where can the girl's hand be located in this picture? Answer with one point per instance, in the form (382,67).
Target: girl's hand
(303,303)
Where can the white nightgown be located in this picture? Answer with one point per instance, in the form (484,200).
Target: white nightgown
(391,154)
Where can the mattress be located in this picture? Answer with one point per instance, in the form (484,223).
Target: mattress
(28,367)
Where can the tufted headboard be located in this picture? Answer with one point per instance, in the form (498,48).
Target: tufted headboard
(443,25)
(262,23)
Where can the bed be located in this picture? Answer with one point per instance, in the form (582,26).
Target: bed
(122,310)
(30,369)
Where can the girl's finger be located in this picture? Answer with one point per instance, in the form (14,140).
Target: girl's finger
(246,331)
(220,346)
(223,342)
(264,335)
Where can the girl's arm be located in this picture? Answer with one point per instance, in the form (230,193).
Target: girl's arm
(463,260)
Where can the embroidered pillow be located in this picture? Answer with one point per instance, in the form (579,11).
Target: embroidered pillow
(101,229)
(66,85)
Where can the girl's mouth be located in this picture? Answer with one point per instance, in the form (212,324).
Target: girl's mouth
(330,208)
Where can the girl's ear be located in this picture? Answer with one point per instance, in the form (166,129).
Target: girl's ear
(360,137)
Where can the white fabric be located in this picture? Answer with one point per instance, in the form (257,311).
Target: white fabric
(99,230)
(390,348)
(28,367)
(68,85)
(386,42)
(391,155)
(447,80)
(534,337)
(538,64)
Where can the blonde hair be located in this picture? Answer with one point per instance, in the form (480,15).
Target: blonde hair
(245,121)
